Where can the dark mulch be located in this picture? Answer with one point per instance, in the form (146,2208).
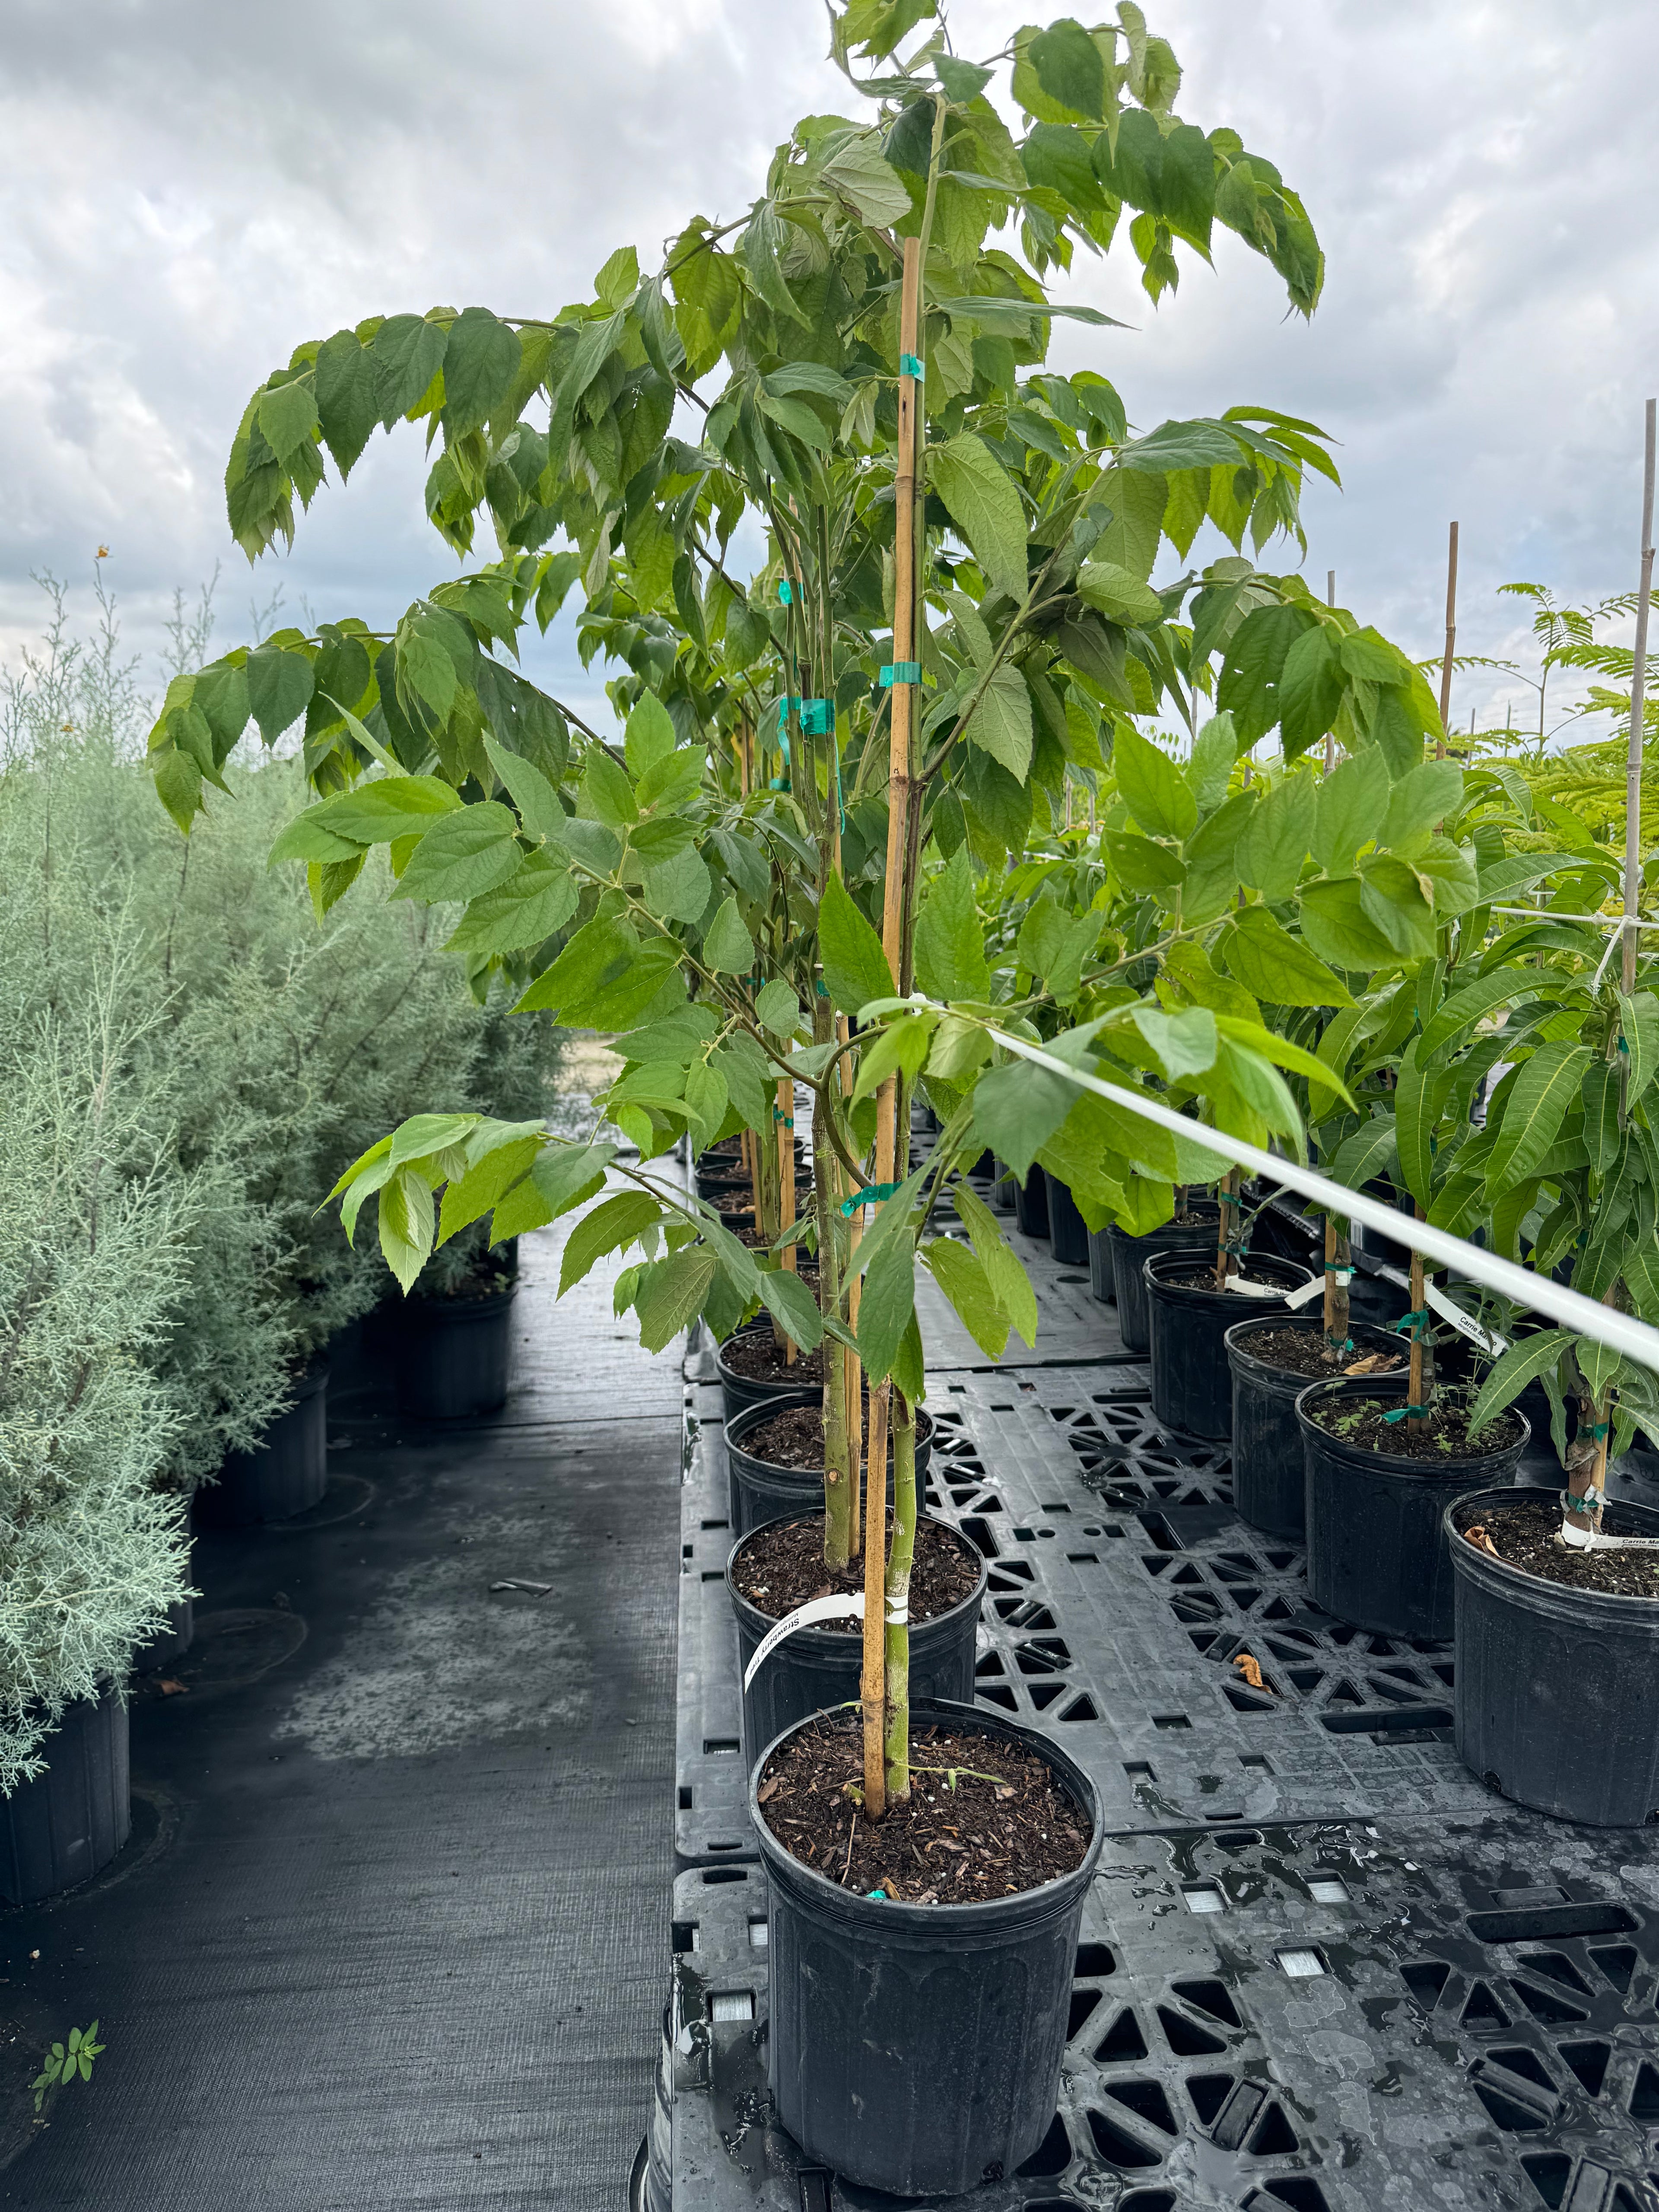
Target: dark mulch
(782,1566)
(757,1355)
(1302,1352)
(1443,1434)
(794,1437)
(984,1839)
(1203,1278)
(1526,1536)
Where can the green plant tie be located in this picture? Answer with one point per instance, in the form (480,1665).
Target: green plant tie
(1598,1429)
(872,1195)
(779,783)
(911,364)
(1342,1275)
(788,705)
(821,987)
(881,1894)
(900,672)
(1623,1047)
(1401,1412)
(817,717)
(1593,1503)
(1417,1322)
(786,592)
(788,1120)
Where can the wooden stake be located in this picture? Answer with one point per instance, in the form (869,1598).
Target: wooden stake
(872,1683)
(1419,1307)
(1638,691)
(1451,642)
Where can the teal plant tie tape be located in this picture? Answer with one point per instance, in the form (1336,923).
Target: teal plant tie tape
(1593,1503)
(786,592)
(821,988)
(788,1120)
(900,671)
(881,1894)
(911,364)
(1401,1412)
(779,783)
(1418,1322)
(1623,1047)
(788,705)
(872,1195)
(1598,1429)
(817,717)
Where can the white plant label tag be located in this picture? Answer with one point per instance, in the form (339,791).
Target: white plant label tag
(804,1616)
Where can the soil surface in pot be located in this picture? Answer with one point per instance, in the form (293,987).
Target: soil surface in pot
(781,1567)
(794,1437)
(1203,1278)
(1525,1536)
(756,1354)
(474,1287)
(1302,1352)
(1443,1434)
(1008,1825)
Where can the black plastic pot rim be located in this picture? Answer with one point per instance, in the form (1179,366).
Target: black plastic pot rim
(829,1639)
(1266,1267)
(448,1309)
(996,1917)
(1369,1386)
(1564,1599)
(752,1416)
(1209,1217)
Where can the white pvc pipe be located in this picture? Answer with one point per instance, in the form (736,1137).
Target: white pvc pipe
(1619,1332)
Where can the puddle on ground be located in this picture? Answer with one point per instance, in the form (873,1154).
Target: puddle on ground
(439,1662)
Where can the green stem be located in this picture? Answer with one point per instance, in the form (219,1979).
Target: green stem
(837,1454)
(900,1558)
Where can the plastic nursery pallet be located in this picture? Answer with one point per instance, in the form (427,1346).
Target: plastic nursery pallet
(1328,2017)
(1123,1589)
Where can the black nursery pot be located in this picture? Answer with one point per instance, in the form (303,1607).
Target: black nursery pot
(286,1473)
(1556,1690)
(63,1827)
(761,1492)
(1102,1274)
(741,1391)
(815,1667)
(916,2048)
(1068,1232)
(1376,1554)
(1031,1204)
(453,1355)
(170,1642)
(1199,1234)
(1192,1383)
(1267,1477)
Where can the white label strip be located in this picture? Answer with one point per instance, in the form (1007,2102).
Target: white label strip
(1488,1342)
(815,1609)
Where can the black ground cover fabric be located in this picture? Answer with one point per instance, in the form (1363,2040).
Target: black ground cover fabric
(390,1930)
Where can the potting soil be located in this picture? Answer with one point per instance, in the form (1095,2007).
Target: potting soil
(389,1931)
(1527,1536)
(782,1566)
(1323,1967)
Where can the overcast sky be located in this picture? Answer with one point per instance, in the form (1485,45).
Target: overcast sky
(192,187)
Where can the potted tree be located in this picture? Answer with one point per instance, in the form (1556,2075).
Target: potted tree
(869,343)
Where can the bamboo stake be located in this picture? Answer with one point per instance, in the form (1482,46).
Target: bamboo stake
(1419,1371)
(1637,690)
(873,1681)
(1451,642)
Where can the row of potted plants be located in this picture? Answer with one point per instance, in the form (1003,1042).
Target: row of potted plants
(834,853)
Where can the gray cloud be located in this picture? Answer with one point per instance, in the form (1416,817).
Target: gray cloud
(192,189)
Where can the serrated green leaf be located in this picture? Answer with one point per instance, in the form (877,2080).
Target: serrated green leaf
(985,506)
(949,947)
(1277,968)
(1352,799)
(1010,1284)
(958,1274)
(727,947)
(855,968)
(464,855)
(1274,849)
(1156,794)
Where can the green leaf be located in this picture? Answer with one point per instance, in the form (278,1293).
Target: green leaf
(1156,794)
(1018,1108)
(1069,68)
(985,506)
(1639,1027)
(786,1295)
(392,806)
(609,1228)
(279,686)
(407,352)
(1419,1094)
(1353,800)
(1276,967)
(539,897)
(854,966)
(1111,590)
(480,363)
(862,174)
(1255,662)
(1210,764)
(777,1009)
(1186,1042)
(346,403)
(650,737)
(538,802)
(406,1224)
(607,796)
(1002,723)
(308,838)
(1364,1153)
(727,947)
(901,1045)
(1274,847)
(1010,1284)
(604,978)
(466,853)
(886,1304)
(1433,790)
(949,949)
(1547,1084)
(1137,501)
(1392,898)
(1526,1358)
(1484,996)
(1450,870)
(1053,945)
(287,419)
(1369,658)
(762,248)
(706,1099)
(671,1296)
(1310,690)
(1337,926)
(482,1188)
(963,1281)
(963,81)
